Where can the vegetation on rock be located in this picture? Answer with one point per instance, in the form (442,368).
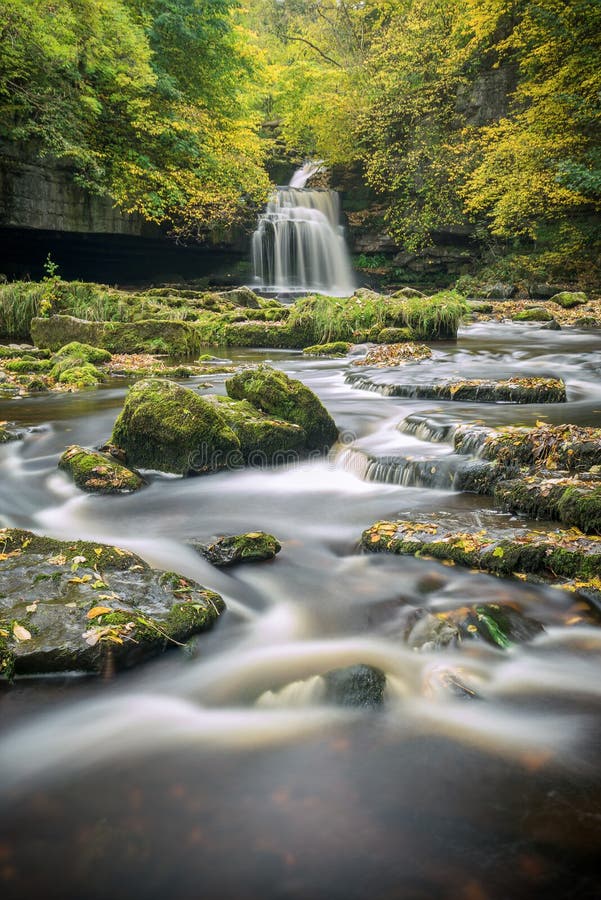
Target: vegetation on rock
(254,546)
(98,473)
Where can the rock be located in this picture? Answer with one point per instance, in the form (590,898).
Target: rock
(512,390)
(241,296)
(72,371)
(83,352)
(6,435)
(394,355)
(170,428)
(275,394)
(359,685)
(405,292)
(569,299)
(480,306)
(264,440)
(174,337)
(499,291)
(552,325)
(501,626)
(390,335)
(533,314)
(573,500)
(14,351)
(337,348)
(98,473)
(254,546)
(75,605)
(550,555)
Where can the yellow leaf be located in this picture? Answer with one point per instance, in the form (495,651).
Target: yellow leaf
(98,611)
(83,580)
(21,634)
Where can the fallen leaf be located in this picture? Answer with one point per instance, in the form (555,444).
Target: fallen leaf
(32,607)
(21,634)
(98,611)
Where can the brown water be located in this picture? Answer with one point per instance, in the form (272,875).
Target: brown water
(221,773)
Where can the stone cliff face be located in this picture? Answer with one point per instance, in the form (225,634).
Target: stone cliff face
(42,194)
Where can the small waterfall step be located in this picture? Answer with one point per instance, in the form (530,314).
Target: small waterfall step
(466,438)
(511,390)
(449,472)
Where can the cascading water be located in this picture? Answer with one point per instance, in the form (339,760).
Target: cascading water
(298,244)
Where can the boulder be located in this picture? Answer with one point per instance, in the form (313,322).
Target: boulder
(569,299)
(77,605)
(533,314)
(358,685)
(254,546)
(84,352)
(335,348)
(264,440)
(170,428)
(99,473)
(511,390)
(176,338)
(275,394)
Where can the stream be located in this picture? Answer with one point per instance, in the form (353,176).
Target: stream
(219,772)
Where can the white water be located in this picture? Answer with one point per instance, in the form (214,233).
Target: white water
(299,244)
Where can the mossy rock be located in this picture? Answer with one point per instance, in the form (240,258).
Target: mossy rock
(359,685)
(242,296)
(83,352)
(275,394)
(254,546)
(388,355)
(550,555)
(7,435)
(335,348)
(168,427)
(501,626)
(23,350)
(99,473)
(27,366)
(173,337)
(392,335)
(264,440)
(569,299)
(534,314)
(573,501)
(512,390)
(71,371)
(77,605)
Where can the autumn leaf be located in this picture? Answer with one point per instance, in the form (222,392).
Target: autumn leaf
(21,633)
(98,611)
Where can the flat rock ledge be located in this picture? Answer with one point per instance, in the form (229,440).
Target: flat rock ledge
(78,605)
(511,390)
(568,558)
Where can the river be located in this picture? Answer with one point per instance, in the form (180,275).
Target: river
(219,773)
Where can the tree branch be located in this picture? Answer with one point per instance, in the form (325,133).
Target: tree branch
(323,55)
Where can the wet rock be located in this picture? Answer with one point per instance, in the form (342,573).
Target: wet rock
(254,546)
(336,348)
(390,335)
(8,434)
(571,447)
(499,291)
(83,352)
(571,500)
(533,314)
(569,299)
(76,605)
(394,355)
(359,685)
(512,390)
(551,325)
(99,473)
(264,440)
(170,428)
(501,626)
(272,392)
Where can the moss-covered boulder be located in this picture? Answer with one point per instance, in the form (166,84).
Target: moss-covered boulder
(390,335)
(569,299)
(99,473)
(275,394)
(264,440)
(170,428)
(174,337)
(335,348)
(254,546)
(389,355)
(511,390)
(76,605)
(533,314)
(14,351)
(573,500)
(84,352)
(8,434)
(72,371)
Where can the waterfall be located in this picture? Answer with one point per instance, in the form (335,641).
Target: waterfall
(298,244)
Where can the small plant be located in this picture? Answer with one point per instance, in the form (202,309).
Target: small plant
(51,269)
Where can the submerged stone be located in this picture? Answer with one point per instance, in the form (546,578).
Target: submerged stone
(99,473)
(511,390)
(77,605)
(254,546)
(275,394)
(168,427)
(358,685)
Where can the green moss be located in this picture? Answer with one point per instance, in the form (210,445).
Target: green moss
(104,556)
(569,299)
(264,440)
(392,335)
(168,427)
(98,473)
(29,366)
(336,348)
(71,372)
(275,394)
(83,352)
(254,546)
(25,353)
(534,314)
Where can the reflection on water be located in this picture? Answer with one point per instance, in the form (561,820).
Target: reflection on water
(224,772)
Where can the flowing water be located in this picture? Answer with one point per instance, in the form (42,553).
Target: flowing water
(223,772)
(299,245)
